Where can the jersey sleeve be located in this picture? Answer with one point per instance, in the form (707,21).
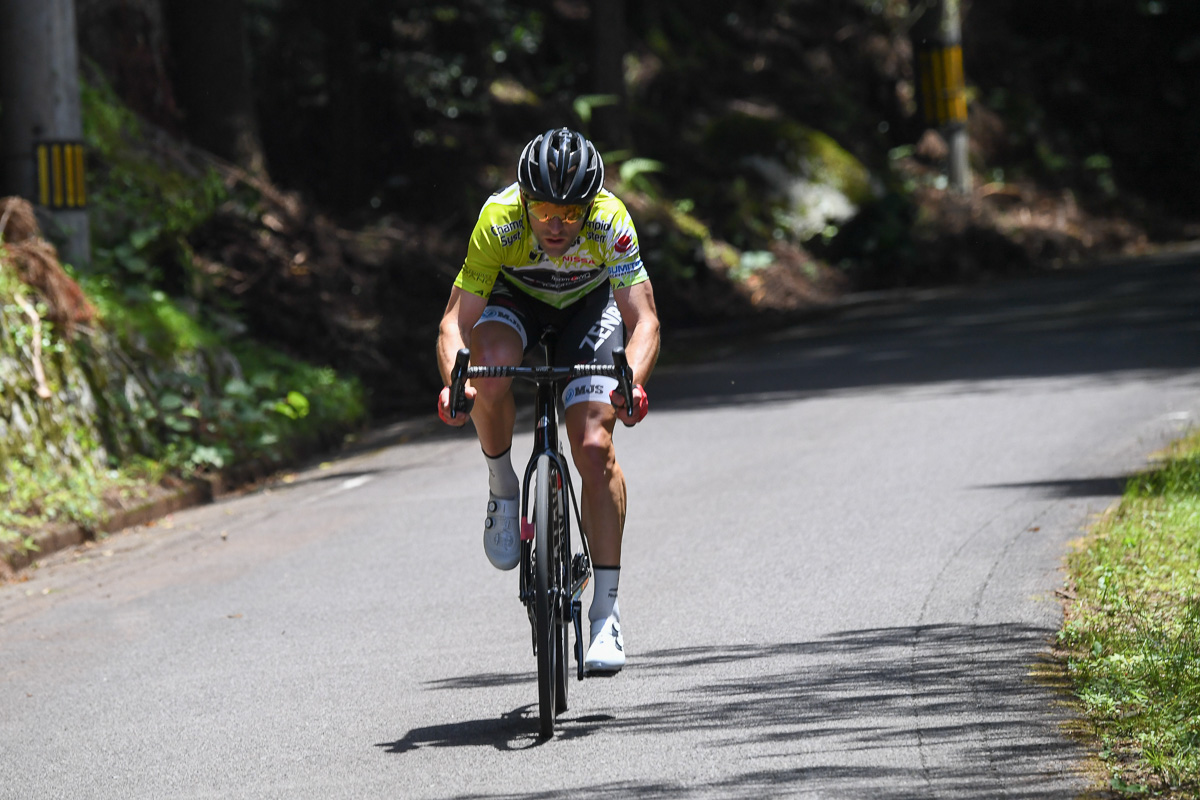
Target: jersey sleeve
(482,263)
(625,267)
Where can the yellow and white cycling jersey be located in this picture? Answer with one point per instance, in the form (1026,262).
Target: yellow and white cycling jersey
(606,249)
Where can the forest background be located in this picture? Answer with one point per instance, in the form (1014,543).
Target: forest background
(281,193)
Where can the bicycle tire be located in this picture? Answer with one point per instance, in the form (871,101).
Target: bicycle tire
(545,599)
(562,568)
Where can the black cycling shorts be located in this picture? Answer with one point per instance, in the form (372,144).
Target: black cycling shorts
(587,331)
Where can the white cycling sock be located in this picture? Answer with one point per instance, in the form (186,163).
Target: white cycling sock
(604,594)
(502,479)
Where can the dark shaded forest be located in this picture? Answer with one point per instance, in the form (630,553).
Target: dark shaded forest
(364,136)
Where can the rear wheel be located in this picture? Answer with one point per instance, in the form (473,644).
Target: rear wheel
(546,600)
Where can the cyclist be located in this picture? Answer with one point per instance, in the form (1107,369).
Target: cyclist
(556,249)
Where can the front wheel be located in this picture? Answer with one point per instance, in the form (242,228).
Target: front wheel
(547,518)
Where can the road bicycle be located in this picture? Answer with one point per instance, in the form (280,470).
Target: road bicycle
(552,575)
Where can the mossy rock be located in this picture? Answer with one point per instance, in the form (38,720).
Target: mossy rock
(805,152)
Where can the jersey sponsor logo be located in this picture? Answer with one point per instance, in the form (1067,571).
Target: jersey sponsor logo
(620,270)
(600,225)
(593,388)
(509,233)
(585,391)
(623,243)
(502,230)
(579,260)
(608,324)
(496,314)
(474,276)
(553,280)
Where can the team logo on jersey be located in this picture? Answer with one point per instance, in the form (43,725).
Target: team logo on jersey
(555,280)
(623,243)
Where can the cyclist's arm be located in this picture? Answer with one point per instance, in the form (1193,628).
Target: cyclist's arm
(462,312)
(636,304)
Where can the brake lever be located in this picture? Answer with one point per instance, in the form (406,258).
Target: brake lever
(458,383)
(624,377)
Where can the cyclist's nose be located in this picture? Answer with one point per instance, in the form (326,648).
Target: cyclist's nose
(556,225)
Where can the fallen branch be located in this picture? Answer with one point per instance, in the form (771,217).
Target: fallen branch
(35,321)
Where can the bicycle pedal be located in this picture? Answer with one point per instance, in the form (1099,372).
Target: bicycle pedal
(580,566)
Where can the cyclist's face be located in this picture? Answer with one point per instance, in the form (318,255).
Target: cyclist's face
(554,235)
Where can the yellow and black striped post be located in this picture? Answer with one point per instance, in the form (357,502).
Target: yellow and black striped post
(61,180)
(943,86)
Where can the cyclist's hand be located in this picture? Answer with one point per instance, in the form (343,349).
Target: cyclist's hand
(641,406)
(459,419)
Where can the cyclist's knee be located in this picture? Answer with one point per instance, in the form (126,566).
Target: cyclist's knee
(494,344)
(594,454)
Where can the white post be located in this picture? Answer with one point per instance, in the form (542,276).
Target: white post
(959,169)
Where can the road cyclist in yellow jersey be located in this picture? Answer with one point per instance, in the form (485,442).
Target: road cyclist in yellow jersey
(556,251)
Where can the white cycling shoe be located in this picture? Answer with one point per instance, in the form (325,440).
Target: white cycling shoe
(502,532)
(606,652)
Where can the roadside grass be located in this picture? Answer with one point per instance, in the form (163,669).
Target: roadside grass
(1132,635)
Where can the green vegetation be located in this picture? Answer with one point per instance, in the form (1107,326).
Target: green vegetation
(1133,633)
(47,465)
(165,384)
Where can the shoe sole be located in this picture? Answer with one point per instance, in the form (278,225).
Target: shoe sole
(601,671)
(600,666)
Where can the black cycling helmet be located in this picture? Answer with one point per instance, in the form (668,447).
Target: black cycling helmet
(560,166)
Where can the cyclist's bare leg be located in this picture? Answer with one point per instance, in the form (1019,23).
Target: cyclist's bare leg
(494,344)
(590,429)
(602,498)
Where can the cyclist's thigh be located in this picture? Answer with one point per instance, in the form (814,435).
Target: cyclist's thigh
(589,337)
(504,330)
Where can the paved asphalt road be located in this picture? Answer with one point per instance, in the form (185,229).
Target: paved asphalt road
(841,561)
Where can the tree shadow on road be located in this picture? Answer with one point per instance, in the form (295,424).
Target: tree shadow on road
(1072,488)
(1137,317)
(835,717)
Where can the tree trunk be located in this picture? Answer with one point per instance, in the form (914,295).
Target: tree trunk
(210,74)
(611,127)
(345,102)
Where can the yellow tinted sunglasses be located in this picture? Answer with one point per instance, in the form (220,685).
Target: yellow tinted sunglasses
(544,212)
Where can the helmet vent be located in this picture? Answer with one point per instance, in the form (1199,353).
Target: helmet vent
(561,166)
